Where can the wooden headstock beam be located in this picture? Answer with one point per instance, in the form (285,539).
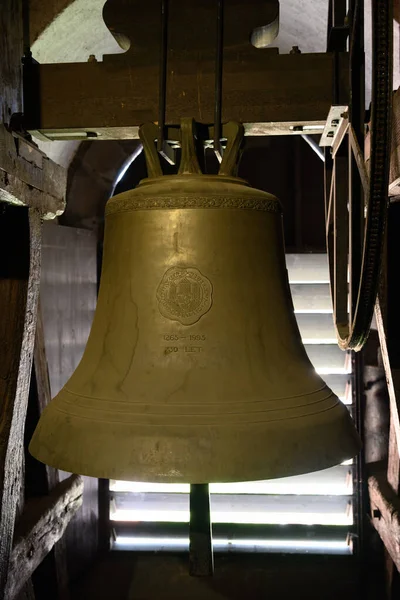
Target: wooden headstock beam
(270,93)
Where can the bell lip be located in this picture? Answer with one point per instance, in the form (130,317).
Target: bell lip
(265,451)
(122,473)
(176,177)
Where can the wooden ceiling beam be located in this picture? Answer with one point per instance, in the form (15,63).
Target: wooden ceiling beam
(29,178)
(270,93)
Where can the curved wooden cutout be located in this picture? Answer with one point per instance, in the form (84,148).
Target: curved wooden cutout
(192,26)
(264,36)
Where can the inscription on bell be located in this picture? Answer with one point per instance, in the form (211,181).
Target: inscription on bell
(184,295)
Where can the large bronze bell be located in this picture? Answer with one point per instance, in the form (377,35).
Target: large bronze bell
(194,370)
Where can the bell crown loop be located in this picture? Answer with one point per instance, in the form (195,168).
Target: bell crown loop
(189,164)
(190,188)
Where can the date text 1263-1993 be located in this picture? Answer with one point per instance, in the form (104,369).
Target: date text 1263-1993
(188,343)
(193,337)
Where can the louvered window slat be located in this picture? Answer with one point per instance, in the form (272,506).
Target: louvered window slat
(311,298)
(334,481)
(174,537)
(237,508)
(145,514)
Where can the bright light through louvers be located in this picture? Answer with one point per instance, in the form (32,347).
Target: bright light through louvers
(309,127)
(335,481)
(313,311)
(261,518)
(295,281)
(319,341)
(226,544)
(346,400)
(301,485)
(333,370)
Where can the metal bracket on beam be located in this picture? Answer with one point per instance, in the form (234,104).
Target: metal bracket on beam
(334,125)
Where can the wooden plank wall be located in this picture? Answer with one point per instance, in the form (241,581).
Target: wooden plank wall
(11,51)
(68,299)
(20,238)
(19,278)
(394,178)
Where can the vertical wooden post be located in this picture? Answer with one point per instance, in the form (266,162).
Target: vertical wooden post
(51,576)
(388,321)
(200,536)
(104,529)
(11,51)
(20,246)
(27,593)
(393,340)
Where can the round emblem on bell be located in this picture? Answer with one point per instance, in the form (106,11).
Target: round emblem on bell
(184,295)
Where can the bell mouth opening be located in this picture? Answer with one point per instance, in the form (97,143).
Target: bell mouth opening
(193,177)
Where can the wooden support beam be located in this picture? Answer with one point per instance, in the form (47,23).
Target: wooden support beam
(104,529)
(20,246)
(385,511)
(201,558)
(271,94)
(27,593)
(29,178)
(51,578)
(11,51)
(41,525)
(393,474)
(394,178)
(40,397)
(384,489)
(388,323)
(394,173)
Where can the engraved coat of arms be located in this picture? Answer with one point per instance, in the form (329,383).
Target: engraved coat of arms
(184,295)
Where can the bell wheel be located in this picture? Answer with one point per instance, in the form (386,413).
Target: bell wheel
(356,192)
